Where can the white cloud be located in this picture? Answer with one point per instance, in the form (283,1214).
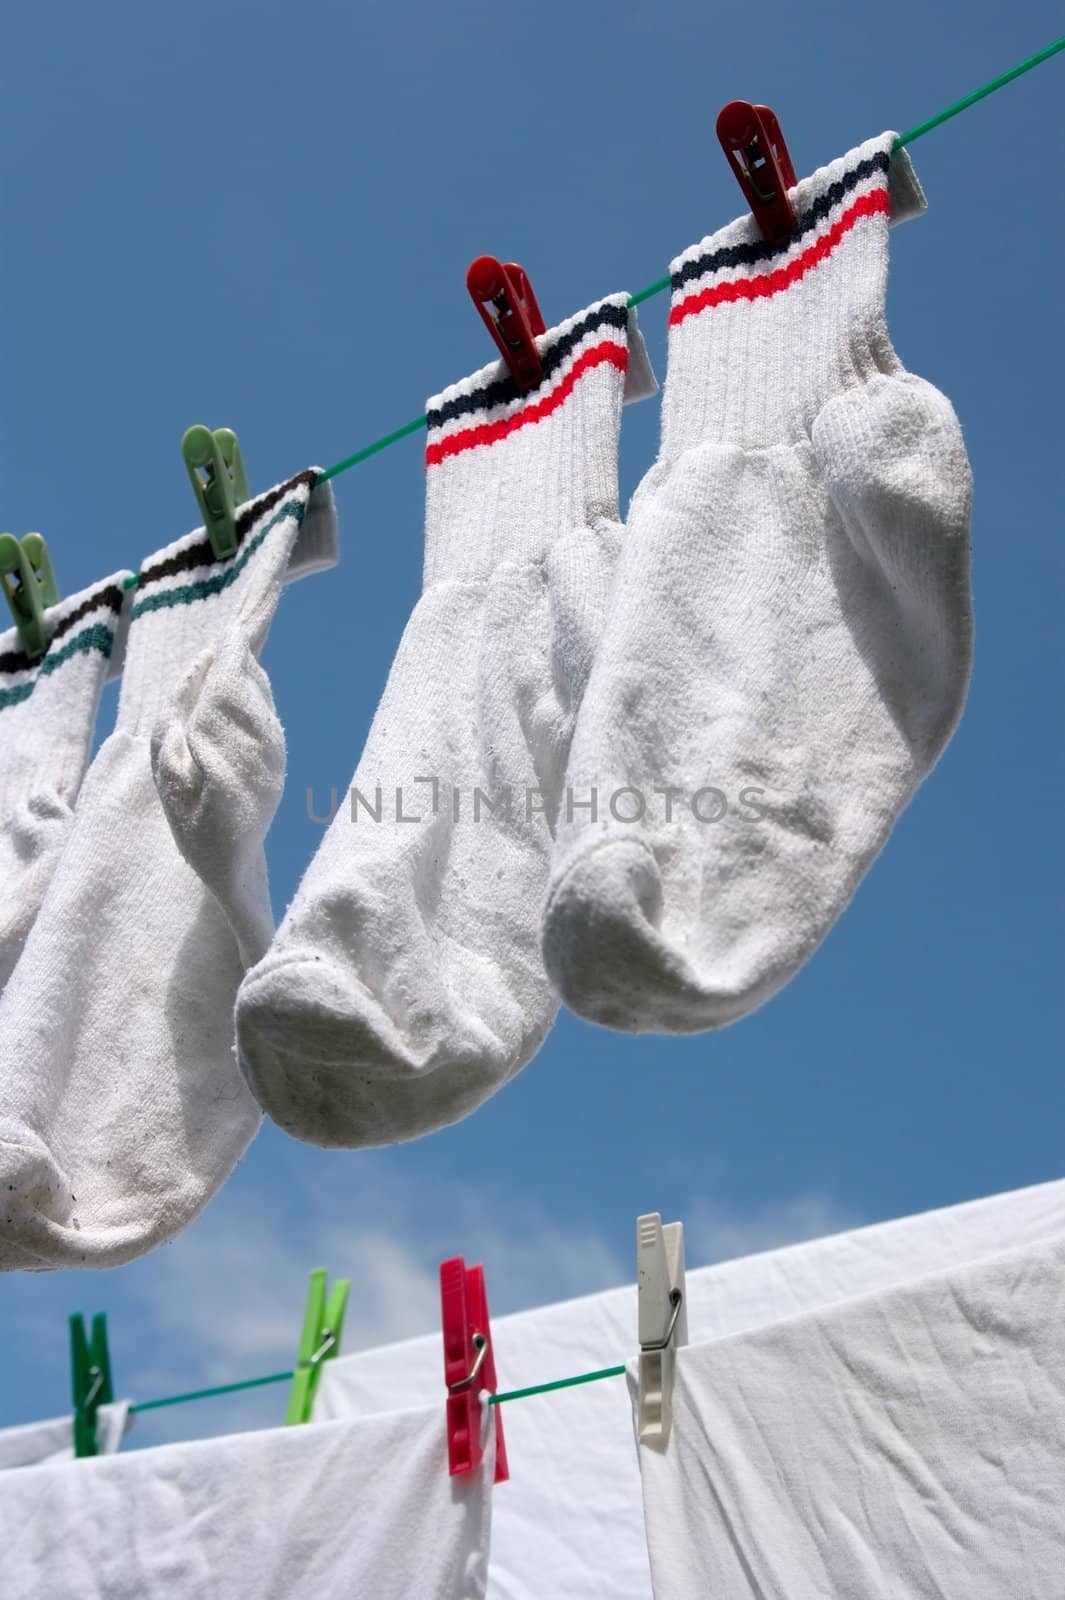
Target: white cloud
(230,1295)
(225,1301)
(717,1232)
(233,1292)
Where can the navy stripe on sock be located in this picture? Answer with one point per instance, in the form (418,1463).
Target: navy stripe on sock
(97,637)
(749,255)
(110,596)
(201,554)
(503,390)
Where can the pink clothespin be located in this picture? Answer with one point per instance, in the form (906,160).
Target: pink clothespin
(469,1367)
(504,298)
(751,139)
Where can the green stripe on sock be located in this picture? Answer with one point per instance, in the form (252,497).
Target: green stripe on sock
(98,637)
(189,592)
(12,697)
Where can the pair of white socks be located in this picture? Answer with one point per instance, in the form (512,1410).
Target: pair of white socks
(123,1109)
(405,983)
(643,769)
(789,641)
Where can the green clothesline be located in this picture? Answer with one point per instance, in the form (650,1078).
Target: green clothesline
(280,1377)
(412,427)
(661,284)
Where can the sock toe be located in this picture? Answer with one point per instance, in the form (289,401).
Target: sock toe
(331,1066)
(35,1200)
(607,955)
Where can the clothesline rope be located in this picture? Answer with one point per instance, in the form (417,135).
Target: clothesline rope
(280,1377)
(403,432)
(661,284)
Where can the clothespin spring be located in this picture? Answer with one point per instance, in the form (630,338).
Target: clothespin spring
(676,1300)
(481,1346)
(97,1383)
(329,1339)
(323,1323)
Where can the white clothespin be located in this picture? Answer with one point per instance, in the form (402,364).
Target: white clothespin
(662,1321)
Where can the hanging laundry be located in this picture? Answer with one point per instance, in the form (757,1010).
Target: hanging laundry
(901,1444)
(218,748)
(347,1509)
(47,715)
(38,1443)
(788,644)
(123,1108)
(569,1522)
(405,984)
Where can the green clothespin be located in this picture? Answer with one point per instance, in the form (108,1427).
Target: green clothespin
(37,553)
(225,487)
(90,1371)
(320,1340)
(24,594)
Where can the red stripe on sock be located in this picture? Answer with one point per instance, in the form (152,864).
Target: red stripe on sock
(490,432)
(867,205)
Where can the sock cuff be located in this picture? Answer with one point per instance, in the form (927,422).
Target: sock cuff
(506,471)
(762,335)
(48,706)
(317,547)
(186,597)
(81,627)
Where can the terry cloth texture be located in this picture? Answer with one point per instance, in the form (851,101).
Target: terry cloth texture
(788,644)
(405,984)
(47,716)
(123,1107)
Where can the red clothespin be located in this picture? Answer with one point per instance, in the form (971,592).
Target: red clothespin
(469,1367)
(751,139)
(503,296)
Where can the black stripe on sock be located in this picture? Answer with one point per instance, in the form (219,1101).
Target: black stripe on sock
(749,255)
(504,390)
(201,554)
(110,596)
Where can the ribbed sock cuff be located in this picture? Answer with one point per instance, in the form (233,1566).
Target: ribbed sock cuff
(48,706)
(82,624)
(317,547)
(506,471)
(761,335)
(185,597)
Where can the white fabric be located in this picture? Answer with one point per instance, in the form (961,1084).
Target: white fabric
(47,715)
(788,643)
(123,1108)
(361,1510)
(218,750)
(36,1443)
(903,1446)
(405,984)
(569,1521)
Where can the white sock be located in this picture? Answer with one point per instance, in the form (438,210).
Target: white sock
(218,751)
(124,1109)
(405,984)
(47,716)
(790,632)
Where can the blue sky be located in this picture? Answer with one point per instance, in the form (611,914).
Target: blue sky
(261,216)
